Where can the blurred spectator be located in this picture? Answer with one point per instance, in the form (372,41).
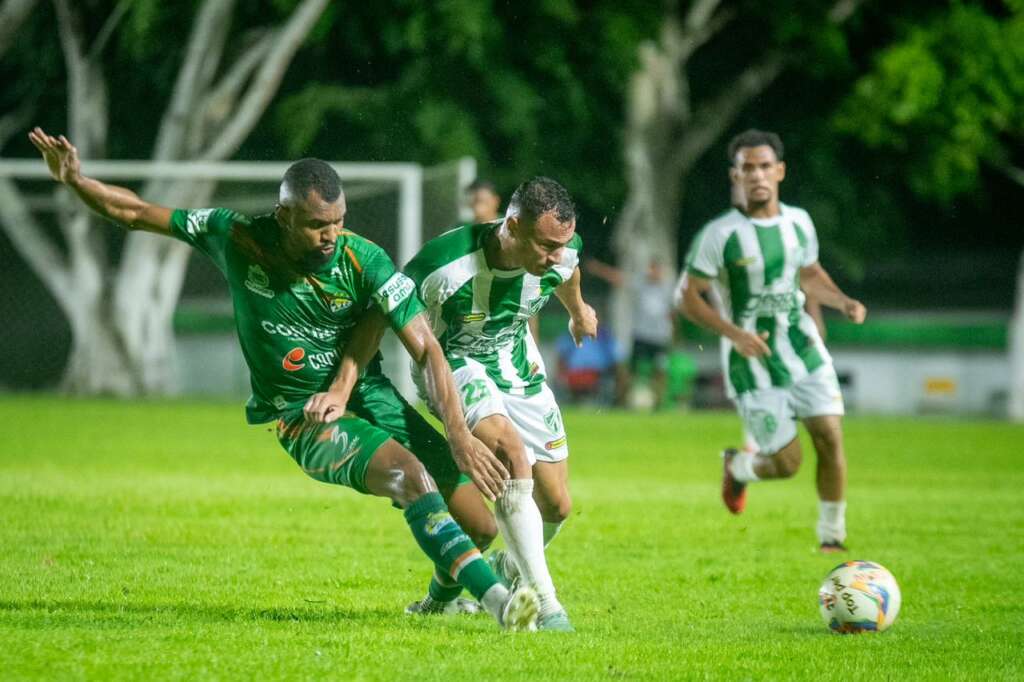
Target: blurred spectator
(653,316)
(484,201)
(593,371)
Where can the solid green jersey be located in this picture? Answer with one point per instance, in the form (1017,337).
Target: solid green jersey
(290,329)
(480,314)
(754,265)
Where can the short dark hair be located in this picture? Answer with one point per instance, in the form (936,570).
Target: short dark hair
(755,138)
(541,195)
(306,175)
(480,184)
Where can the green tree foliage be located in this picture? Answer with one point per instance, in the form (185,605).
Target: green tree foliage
(947,98)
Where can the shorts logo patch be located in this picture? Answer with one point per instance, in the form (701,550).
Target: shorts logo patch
(257,282)
(293,359)
(555,444)
(553,420)
(437,522)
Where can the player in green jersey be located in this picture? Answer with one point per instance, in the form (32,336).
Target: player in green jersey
(759,261)
(299,283)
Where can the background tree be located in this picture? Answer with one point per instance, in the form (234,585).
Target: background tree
(948,100)
(120,309)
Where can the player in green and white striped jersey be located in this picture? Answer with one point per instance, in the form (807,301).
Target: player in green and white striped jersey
(759,261)
(481,284)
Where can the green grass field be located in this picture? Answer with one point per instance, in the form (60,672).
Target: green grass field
(169,540)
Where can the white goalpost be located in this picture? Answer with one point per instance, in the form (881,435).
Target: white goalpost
(399,205)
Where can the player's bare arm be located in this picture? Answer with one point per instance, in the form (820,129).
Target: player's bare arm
(582,318)
(472,457)
(118,204)
(816,282)
(329,405)
(698,310)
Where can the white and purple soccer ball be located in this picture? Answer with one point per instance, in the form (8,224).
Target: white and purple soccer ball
(859,596)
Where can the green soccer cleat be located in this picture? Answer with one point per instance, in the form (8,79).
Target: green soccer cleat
(428,606)
(520,611)
(557,621)
(504,566)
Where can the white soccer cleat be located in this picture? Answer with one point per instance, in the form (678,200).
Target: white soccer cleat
(429,607)
(520,611)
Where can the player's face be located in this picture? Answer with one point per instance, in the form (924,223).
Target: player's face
(310,229)
(484,203)
(756,173)
(541,244)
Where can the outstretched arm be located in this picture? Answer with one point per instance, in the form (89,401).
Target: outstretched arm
(115,203)
(817,283)
(698,310)
(582,318)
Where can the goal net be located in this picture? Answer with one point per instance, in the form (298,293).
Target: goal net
(397,205)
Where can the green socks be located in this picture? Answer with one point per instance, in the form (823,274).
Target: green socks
(449,548)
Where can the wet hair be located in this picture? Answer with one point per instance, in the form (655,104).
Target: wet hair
(307,175)
(541,195)
(755,138)
(481,184)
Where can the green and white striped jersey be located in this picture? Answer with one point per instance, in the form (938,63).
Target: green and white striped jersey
(479,314)
(754,266)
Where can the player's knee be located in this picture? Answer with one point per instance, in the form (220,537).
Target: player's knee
(409,482)
(558,510)
(482,532)
(788,460)
(510,449)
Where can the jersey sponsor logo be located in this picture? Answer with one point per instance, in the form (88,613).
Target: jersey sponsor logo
(471,342)
(744,262)
(257,282)
(391,294)
(298,332)
(293,359)
(474,317)
(325,360)
(764,305)
(195,221)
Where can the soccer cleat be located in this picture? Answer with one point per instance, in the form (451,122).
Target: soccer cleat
(429,606)
(520,611)
(557,621)
(734,493)
(832,547)
(504,566)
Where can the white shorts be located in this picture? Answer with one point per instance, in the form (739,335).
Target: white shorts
(769,414)
(536,417)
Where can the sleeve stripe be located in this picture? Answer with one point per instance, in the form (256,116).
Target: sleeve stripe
(355,261)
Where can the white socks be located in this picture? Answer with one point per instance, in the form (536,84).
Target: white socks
(742,467)
(550,531)
(831,521)
(523,529)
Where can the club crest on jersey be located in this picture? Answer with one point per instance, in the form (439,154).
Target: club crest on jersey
(293,359)
(257,281)
(339,302)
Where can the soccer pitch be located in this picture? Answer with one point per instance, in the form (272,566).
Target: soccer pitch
(169,540)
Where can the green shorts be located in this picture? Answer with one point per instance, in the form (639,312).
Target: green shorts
(340,452)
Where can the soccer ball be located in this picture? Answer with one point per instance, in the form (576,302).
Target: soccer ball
(859,596)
